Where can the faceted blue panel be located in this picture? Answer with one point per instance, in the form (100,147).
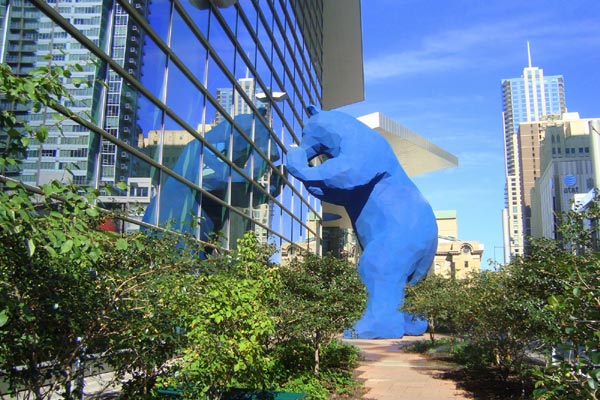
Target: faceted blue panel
(394,223)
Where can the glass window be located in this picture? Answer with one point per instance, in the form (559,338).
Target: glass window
(264,45)
(158,18)
(221,43)
(199,16)
(150,123)
(245,28)
(188,48)
(153,73)
(184,97)
(221,88)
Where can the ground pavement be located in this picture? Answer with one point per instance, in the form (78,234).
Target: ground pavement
(391,374)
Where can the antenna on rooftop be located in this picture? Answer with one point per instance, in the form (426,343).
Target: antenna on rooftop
(529,53)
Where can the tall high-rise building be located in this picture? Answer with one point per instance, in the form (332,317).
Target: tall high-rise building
(232,101)
(159,66)
(567,170)
(225,99)
(525,99)
(32,39)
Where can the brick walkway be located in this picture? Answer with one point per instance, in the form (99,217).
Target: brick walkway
(390,374)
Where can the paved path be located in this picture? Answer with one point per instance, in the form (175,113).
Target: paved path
(391,374)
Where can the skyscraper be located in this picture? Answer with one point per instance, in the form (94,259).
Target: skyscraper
(525,99)
(32,39)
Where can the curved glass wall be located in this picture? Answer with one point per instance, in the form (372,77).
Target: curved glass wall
(190,105)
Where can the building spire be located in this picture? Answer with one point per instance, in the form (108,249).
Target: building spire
(529,53)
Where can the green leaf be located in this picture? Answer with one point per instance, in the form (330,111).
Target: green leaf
(42,134)
(49,190)
(31,247)
(122,244)
(66,246)
(77,82)
(552,301)
(576,292)
(122,185)
(3,318)
(569,330)
(51,251)
(592,383)
(92,212)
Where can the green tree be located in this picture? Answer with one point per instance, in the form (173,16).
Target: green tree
(562,277)
(495,320)
(321,297)
(144,304)
(228,336)
(437,299)
(150,288)
(46,257)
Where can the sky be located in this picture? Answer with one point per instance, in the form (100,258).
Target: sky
(436,67)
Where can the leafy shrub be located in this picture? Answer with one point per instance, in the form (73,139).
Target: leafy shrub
(473,357)
(309,384)
(294,355)
(320,298)
(340,355)
(427,346)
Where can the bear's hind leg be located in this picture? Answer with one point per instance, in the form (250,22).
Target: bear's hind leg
(385,279)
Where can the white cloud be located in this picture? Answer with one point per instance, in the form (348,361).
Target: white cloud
(482,45)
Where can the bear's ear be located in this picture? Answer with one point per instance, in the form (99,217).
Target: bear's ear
(312,110)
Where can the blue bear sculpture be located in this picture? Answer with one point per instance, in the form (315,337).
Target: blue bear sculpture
(394,223)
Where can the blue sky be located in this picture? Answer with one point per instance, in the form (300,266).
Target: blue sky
(436,66)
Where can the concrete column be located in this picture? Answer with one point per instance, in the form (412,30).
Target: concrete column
(595,150)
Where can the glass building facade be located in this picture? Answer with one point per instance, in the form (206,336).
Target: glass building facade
(192,103)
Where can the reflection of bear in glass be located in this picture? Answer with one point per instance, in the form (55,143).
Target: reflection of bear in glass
(395,225)
(179,204)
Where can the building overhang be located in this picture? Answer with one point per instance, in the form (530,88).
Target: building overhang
(416,154)
(343,74)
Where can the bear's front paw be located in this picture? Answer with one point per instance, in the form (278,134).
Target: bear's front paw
(296,161)
(315,191)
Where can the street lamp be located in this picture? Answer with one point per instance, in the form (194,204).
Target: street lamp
(267,99)
(273,97)
(204,4)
